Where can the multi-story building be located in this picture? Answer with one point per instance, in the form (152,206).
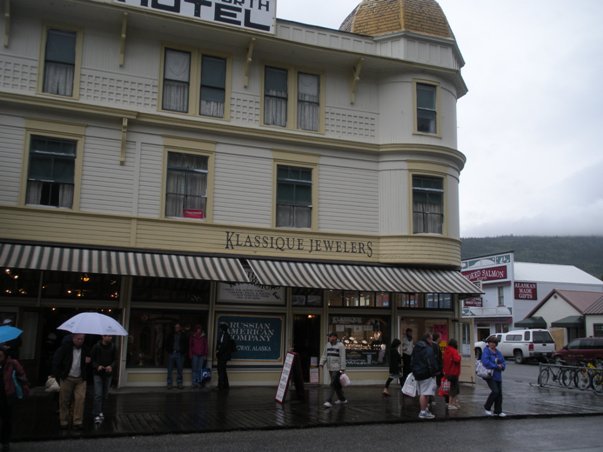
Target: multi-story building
(513,290)
(205,162)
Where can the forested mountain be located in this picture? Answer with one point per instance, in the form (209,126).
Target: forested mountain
(585,252)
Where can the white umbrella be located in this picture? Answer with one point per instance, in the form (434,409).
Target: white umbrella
(93,323)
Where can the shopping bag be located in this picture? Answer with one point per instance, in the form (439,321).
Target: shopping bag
(444,388)
(482,371)
(52,385)
(345,380)
(410,386)
(205,374)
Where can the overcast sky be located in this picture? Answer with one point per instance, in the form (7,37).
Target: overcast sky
(530,122)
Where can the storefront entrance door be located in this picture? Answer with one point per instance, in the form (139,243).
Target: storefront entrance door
(306,341)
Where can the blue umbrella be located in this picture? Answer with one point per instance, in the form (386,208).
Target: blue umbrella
(8,333)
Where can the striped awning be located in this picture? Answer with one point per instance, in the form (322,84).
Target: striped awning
(118,262)
(359,277)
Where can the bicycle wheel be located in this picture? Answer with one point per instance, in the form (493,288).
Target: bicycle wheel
(598,382)
(566,377)
(582,379)
(544,376)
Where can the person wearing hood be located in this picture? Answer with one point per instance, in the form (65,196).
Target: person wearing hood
(424,369)
(395,362)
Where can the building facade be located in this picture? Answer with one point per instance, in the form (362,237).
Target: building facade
(170,162)
(512,291)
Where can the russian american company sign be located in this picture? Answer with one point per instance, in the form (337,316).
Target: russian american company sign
(257,15)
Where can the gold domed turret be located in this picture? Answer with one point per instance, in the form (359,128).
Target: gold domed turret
(379,17)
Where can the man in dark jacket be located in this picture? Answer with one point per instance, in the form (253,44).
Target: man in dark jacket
(224,350)
(176,347)
(103,356)
(69,367)
(424,368)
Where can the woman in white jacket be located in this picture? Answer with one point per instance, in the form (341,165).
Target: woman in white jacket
(334,357)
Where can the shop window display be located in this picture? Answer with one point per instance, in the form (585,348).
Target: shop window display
(423,301)
(307,297)
(171,290)
(16,282)
(148,331)
(80,286)
(365,338)
(358,299)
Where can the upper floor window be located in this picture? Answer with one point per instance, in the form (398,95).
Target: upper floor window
(176,80)
(186,185)
(213,86)
(185,92)
(426,108)
(275,97)
(51,171)
(428,204)
(59,62)
(294,197)
(308,101)
(304,111)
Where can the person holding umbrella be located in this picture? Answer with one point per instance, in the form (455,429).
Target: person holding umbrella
(70,363)
(104,356)
(12,345)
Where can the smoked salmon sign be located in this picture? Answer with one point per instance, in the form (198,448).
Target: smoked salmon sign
(486,274)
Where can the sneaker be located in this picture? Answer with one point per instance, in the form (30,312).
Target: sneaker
(98,419)
(502,415)
(101,415)
(341,402)
(488,413)
(385,393)
(452,407)
(426,415)
(327,405)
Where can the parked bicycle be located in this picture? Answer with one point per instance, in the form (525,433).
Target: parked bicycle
(586,376)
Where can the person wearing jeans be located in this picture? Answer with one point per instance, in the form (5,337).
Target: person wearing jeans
(103,357)
(334,357)
(492,358)
(176,347)
(197,352)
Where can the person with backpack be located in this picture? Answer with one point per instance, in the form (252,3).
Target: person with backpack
(224,350)
(424,368)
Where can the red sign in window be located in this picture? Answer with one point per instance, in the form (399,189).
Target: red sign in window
(194,213)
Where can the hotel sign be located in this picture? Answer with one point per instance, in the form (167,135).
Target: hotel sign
(256,15)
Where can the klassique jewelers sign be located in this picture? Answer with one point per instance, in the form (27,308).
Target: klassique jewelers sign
(235,240)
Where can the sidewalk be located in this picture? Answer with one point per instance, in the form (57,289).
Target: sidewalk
(153,411)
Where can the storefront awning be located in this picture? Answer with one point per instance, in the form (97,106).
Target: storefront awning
(572,321)
(359,277)
(118,262)
(531,322)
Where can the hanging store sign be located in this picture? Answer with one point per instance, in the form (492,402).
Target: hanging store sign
(256,15)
